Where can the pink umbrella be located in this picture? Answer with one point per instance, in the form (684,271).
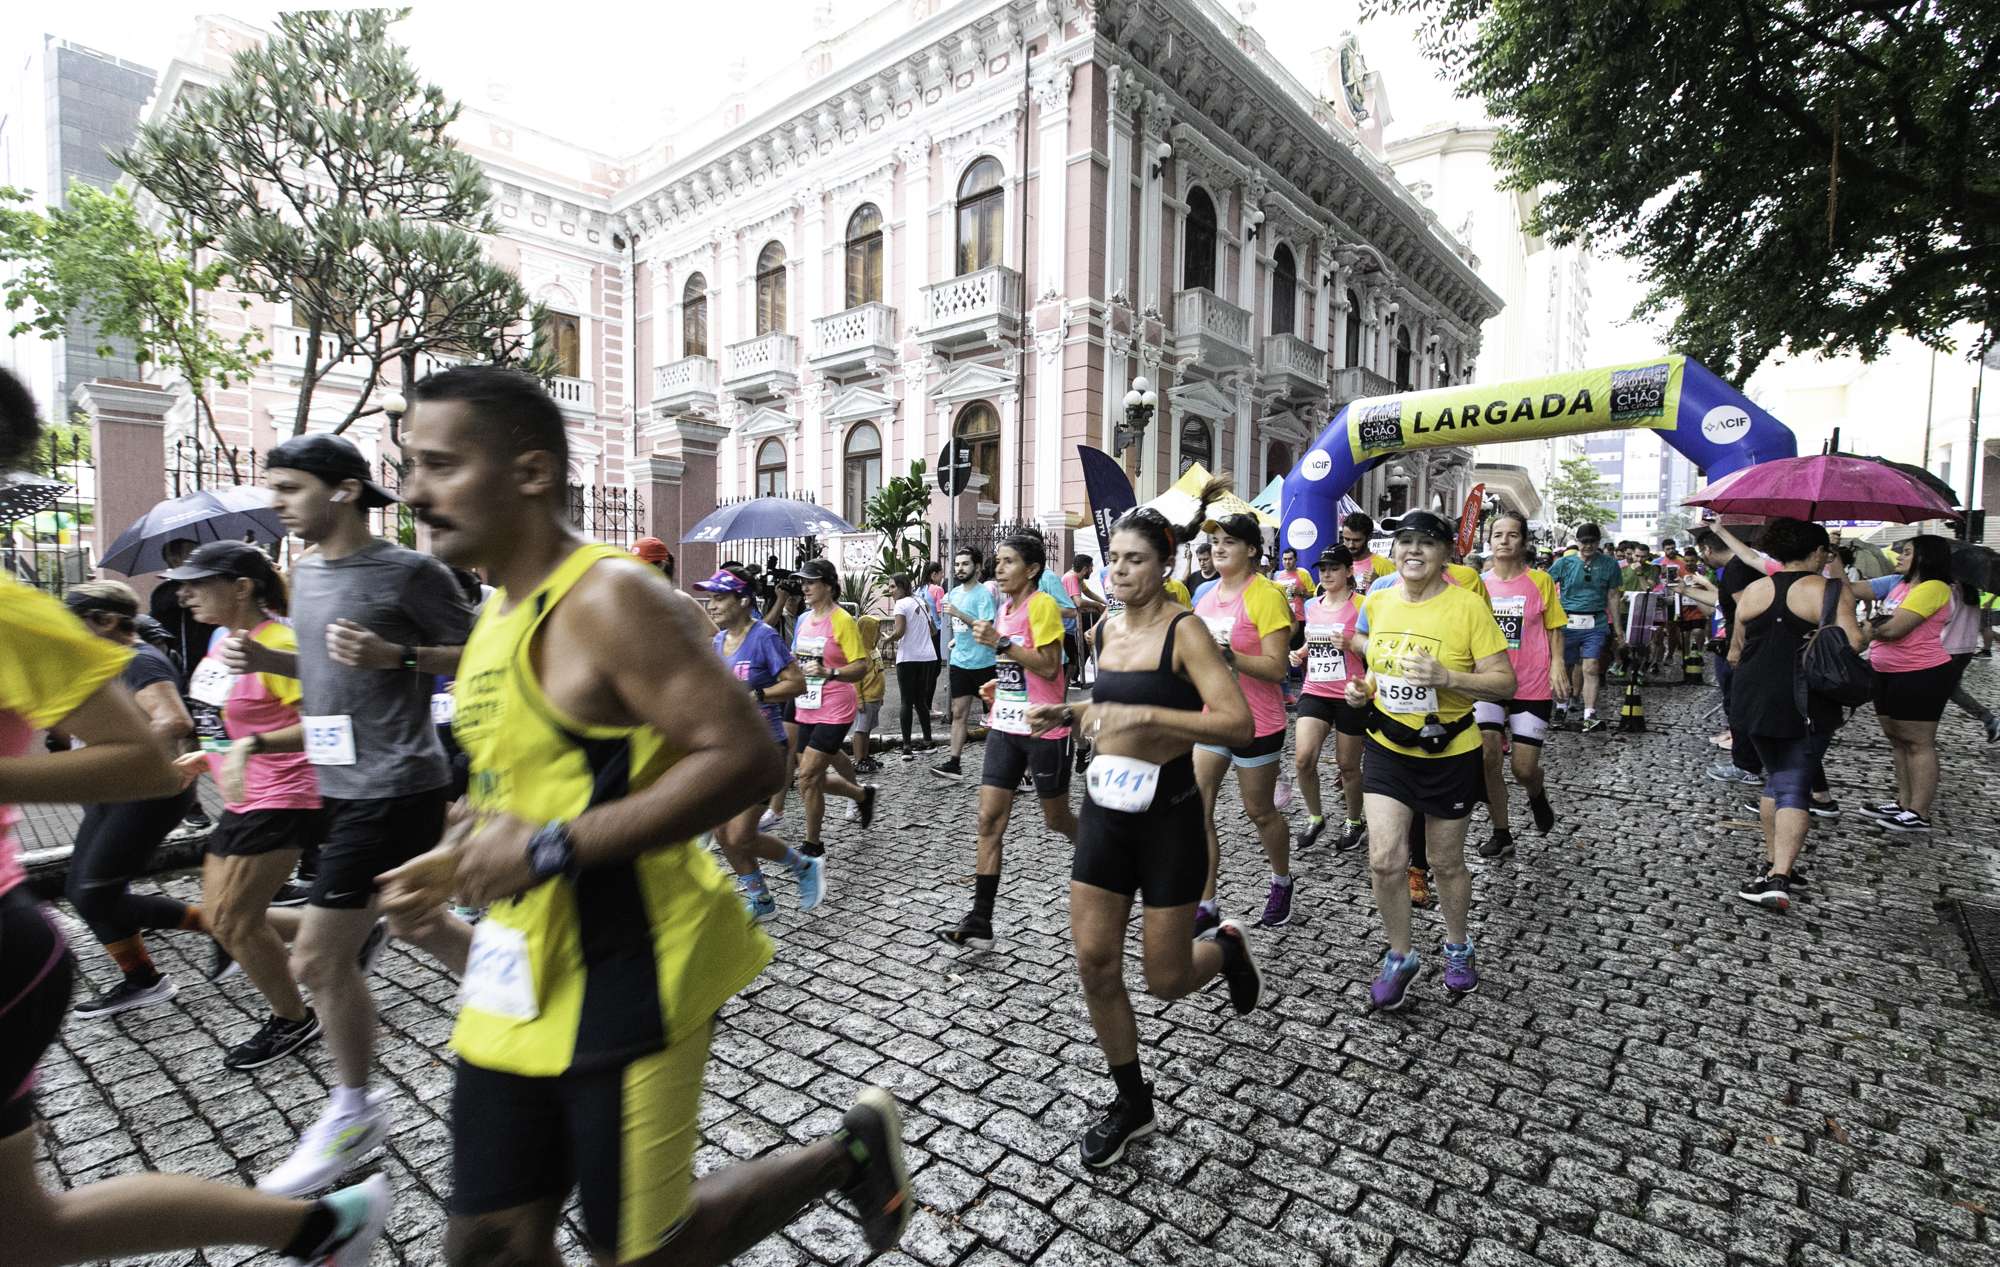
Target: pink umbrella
(1823,486)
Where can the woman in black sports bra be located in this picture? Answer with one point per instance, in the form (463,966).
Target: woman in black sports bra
(1158,693)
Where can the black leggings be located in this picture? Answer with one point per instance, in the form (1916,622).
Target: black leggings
(36,972)
(114,845)
(917,682)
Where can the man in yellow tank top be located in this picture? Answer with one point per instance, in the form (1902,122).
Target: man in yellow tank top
(590,990)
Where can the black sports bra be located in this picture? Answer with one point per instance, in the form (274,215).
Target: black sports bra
(1161,687)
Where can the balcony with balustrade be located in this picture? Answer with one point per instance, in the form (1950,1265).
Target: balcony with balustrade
(288,353)
(576,397)
(760,368)
(1211,331)
(1291,367)
(975,309)
(860,340)
(689,385)
(1354,383)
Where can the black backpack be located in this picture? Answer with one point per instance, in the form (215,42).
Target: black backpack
(1830,666)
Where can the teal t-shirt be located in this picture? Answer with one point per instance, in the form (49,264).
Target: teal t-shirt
(1586,587)
(967,652)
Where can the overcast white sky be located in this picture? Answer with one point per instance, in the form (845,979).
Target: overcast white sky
(604,73)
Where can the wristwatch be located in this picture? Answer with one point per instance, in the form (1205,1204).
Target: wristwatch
(254,744)
(1001,647)
(410,658)
(551,852)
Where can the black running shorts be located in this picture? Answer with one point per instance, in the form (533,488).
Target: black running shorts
(966,682)
(36,974)
(366,838)
(262,831)
(1436,787)
(1916,695)
(1337,713)
(823,736)
(1160,853)
(1010,756)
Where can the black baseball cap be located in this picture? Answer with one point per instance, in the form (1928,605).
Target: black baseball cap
(333,459)
(1336,557)
(1427,524)
(1589,532)
(1244,528)
(819,570)
(223,558)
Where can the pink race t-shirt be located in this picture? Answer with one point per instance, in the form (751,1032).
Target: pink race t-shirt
(1526,609)
(1245,618)
(836,639)
(1330,662)
(1035,623)
(1922,647)
(259,703)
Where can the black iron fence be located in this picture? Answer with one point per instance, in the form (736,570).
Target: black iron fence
(979,534)
(47,516)
(607,513)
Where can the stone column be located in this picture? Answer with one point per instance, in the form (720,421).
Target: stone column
(678,482)
(1152,208)
(1321,334)
(1008,495)
(1051,312)
(915,157)
(813,443)
(128,446)
(666,314)
(1122,99)
(1342,314)
(1246,408)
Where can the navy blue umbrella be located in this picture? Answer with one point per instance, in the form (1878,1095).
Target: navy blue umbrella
(229,513)
(762,517)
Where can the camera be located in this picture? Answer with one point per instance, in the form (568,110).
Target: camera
(790,582)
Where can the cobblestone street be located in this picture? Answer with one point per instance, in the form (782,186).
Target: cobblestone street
(1652,1071)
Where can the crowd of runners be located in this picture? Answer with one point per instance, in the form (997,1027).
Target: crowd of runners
(510,750)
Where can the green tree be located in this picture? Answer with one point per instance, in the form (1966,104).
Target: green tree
(322,174)
(1578,493)
(1804,174)
(96,259)
(897,511)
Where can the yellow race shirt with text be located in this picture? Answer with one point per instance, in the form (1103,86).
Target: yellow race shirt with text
(625,959)
(1454,625)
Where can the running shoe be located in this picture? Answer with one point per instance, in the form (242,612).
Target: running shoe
(131,992)
(1420,887)
(1239,967)
(769,820)
(853,811)
(290,894)
(1544,813)
(1824,809)
(812,849)
(879,1187)
(948,769)
(221,965)
(1207,918)
(1309,833)
(867,806)
(811,875)
(1351,833)
(1882,809)
(361,1213)
(974,932)
(1460,977)
(1799,880)
(1993,728)
(1392,985)
(331,1146)
(193,827)
(274,1040)
(1104,1143)
(868,765)
(1907,820)
(1729,772)
(372,947)
(1591,725)
(1772,892)
(1498,845)
(762,906)
(1277,906)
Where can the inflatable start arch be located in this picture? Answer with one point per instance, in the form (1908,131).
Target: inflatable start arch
(1713,424)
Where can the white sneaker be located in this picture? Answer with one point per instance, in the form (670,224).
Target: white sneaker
(330,1148)
(853,811)
(769,821)
(363,1211)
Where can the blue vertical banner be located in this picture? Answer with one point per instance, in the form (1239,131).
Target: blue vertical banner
(1109,491)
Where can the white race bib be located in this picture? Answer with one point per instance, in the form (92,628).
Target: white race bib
(211,682)
(1511,613)
(1010,698)
(443,708)
(1582,620)
(1325,661)
(807,649)
(1220,628)
(498,976)
(1125,784)
(1398,695)
(329,740)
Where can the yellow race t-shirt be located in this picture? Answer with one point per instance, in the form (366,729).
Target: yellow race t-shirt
(1457,627)
(1179,593)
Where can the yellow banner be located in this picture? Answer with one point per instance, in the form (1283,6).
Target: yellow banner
(1642,394)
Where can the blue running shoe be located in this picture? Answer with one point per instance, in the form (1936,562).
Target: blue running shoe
(811,875)
(1460,977)
(762,906)
(1392,988)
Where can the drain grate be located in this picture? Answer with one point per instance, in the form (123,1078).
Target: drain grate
(1982,935)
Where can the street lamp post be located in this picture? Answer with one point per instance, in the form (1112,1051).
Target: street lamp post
(1140,402)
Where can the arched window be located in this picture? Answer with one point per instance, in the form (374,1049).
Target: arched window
(1277,460)
(694,316)
(978,429)
(771,289)
(980,203)
(1284,291)
(1197,445)
(1198,242)
(864,256)
(1351,354)
(863,470)
(771,470)
(1402,358)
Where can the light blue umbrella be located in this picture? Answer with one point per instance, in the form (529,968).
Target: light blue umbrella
(230,513)
(766,517)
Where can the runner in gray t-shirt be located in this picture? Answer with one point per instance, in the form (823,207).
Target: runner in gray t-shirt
(375,622)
